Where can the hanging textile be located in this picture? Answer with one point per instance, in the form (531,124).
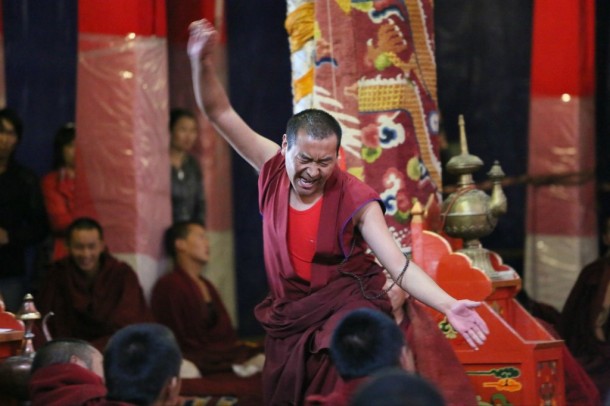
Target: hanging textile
(371,65)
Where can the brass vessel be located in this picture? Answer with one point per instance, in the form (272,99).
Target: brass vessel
(469,213)
(15,370)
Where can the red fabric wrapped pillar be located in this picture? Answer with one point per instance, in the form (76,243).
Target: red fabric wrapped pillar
(561,214)
(121,120)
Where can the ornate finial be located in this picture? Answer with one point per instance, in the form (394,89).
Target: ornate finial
(463,142)
(464,164)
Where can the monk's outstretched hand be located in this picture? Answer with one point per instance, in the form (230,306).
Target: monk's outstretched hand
(202,39)
(466,321)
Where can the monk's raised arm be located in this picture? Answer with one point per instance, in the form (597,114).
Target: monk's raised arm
(214,102)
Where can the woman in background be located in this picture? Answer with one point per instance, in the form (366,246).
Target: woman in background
(186,178)
(58,188)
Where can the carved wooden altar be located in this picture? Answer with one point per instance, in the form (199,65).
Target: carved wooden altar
(520,363)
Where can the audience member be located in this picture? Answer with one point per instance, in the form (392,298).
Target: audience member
(187,181)
(91,293)
(58,189)
(365,341)
(430,352)
(584,320)
(23,220)
(396,387)
(191,307)
(142,366)
(67,372)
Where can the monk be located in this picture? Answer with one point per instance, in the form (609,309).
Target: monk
(67,372)
(366,341)
(91,293)
(142,366)
(318,223)
(186,302)
(585,324)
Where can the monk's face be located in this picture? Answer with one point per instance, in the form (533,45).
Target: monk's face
(309,164)
(85,247)
(196,244)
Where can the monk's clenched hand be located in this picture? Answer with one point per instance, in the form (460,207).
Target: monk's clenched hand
(203,38)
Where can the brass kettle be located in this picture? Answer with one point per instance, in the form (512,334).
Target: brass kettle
(469,213)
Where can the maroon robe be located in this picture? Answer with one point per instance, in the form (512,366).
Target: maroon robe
(341,396)
(66,384)
(299,316)
(92,313)
(580,311)
(434,358)
(203,331)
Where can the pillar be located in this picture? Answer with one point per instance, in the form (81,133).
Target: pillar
(561,211)
(122,113)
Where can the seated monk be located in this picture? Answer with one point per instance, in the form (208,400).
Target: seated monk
(191,307)
(67,372)
(430,352)
(364,342)
(585,325)
(91,293)
(142,365)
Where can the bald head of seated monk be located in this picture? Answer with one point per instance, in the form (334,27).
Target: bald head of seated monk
(67,371)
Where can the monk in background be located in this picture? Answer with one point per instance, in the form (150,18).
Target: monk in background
(189,304)
(585,324)
(91,293)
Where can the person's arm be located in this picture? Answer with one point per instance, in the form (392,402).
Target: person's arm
(415,281)
(214,102)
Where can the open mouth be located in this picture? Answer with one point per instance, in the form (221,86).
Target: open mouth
(306,183)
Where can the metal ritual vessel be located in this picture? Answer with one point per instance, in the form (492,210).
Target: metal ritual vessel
(469,213)
(28,314)
(15,370)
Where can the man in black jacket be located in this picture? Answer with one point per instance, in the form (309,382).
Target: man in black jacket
(23,220)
